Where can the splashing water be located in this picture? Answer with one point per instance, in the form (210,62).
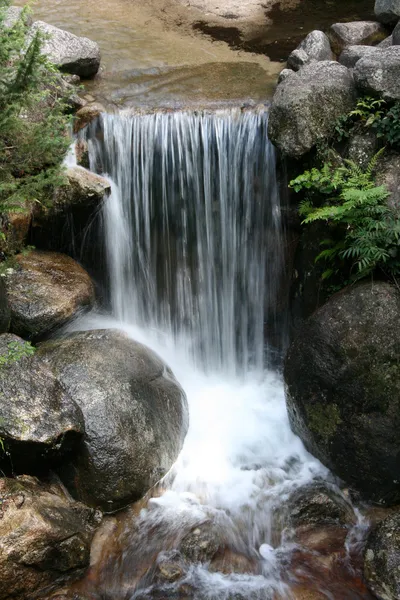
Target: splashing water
(195,258)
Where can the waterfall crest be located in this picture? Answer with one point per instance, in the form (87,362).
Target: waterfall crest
(193,229)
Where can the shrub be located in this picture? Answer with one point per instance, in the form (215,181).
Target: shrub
(33,124)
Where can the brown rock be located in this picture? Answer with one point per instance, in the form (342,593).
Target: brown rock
(85,115)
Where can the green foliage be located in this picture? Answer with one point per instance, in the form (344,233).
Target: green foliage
(387,126)
(15,351)
(33,124)
(352,204)
(368,110)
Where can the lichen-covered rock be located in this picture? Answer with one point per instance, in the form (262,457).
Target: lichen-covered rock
(45,290)
(388,174)
(387,11)
(382,559)
(342,376)
(315,46)
(44,538)
(379,73)
(342,35)
(352,54)
(306,105)
(39,422)
(135,414)
(362,148)
(73,54)
(201,543)
(319,504)
(396,35)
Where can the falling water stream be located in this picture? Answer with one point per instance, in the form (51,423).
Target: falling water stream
(195,259)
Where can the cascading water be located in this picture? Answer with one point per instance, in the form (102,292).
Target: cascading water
(195,257)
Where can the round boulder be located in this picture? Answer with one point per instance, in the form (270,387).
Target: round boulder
(135,414)
(45,290)
(382,559)
(342,35)
(315,46)
(306,106)
(319,504)
(39,422)
(379,73)
(44,538)
(342,376)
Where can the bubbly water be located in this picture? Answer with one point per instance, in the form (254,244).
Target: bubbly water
(195,258)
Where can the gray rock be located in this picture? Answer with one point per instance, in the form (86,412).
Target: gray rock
(315,46)
(44,538)
(387,42)
(387,11)
(45,290)
(306,105)
(5,312)
(39,421)
(284,74)
(135,413)
(319,504)
(13,14)
(201,544)
(76,55)
(388,174)
(367,33)
(352,54)
(382,559)
(343,387)
(362,147)
(396,35)
(379,73)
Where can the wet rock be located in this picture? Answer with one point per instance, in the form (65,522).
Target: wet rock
(201,544)
(170,566)
(306,106)
(45,290)
(44,541)
(315,46)
(13,14)
(379,73)
(76,55)
(352,54)
(227,561)
(82,154)
(82,188)
(135,413)
(343,387)
(319,504)
(39,422)
(86,115)
(367,33)
(382,559)
(387,11)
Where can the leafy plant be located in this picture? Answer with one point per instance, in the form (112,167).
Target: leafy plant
(367,228)
(367,112)
(387,125)
(15,351)
(33,124)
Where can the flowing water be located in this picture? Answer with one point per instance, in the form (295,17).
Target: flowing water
(195,257)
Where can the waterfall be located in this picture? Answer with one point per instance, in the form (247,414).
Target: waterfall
(193,229)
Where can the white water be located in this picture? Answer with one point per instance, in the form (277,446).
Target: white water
(205,315)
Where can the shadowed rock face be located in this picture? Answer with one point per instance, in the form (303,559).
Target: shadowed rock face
(387,11)
(135,414)
(39,422)
(343,387)
(382,559)
(45,290)
(44,538)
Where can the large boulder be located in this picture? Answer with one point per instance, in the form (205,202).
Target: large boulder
(135,413)
(352,54)
(387,11)
(44,538)
(75,203)
(70,53)
(306,105)
(39,421)
(319,504)
(342,377)
(45,290)
(315,46)
(379,73)
(388,174)
(12,16)
(342,35)
(382,559)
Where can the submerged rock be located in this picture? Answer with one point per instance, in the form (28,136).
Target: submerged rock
(315,46)
(343,387)
(387,11)
(379,73)
(44,538)
(382,559)
(319,504)
(45,290)
(76,55)
(135,413)
(306,105)
(39,422)
(342,35)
